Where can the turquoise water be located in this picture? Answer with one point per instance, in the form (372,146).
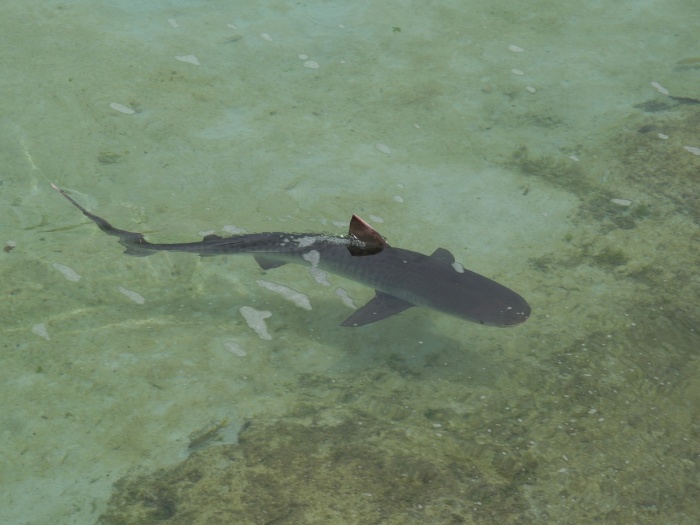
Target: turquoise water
(550,146)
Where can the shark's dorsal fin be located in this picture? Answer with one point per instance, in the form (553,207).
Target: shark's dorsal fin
(212,237)
(372,241)
(443,255)
(382,306)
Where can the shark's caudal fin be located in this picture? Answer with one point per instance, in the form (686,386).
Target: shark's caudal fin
(134,242)
(363,239)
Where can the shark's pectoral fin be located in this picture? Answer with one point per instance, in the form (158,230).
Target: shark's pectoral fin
(134,250)
(267,264)
(382,306)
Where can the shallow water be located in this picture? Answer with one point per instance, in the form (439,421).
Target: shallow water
(533,141)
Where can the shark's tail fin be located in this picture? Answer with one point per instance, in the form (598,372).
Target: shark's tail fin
(134,242)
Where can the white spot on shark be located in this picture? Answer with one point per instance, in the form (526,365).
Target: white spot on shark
(310,240)
(304,242)
(313,257)
(318,275)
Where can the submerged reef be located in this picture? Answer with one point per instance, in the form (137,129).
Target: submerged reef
(363,470)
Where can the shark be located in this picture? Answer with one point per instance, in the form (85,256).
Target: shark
(401,278)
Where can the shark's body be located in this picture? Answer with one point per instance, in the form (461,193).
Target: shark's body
(401,278)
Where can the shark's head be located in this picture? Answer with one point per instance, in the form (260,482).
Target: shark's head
(510,312)
(476,298)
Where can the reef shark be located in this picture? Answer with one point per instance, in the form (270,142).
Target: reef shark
(401,278)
